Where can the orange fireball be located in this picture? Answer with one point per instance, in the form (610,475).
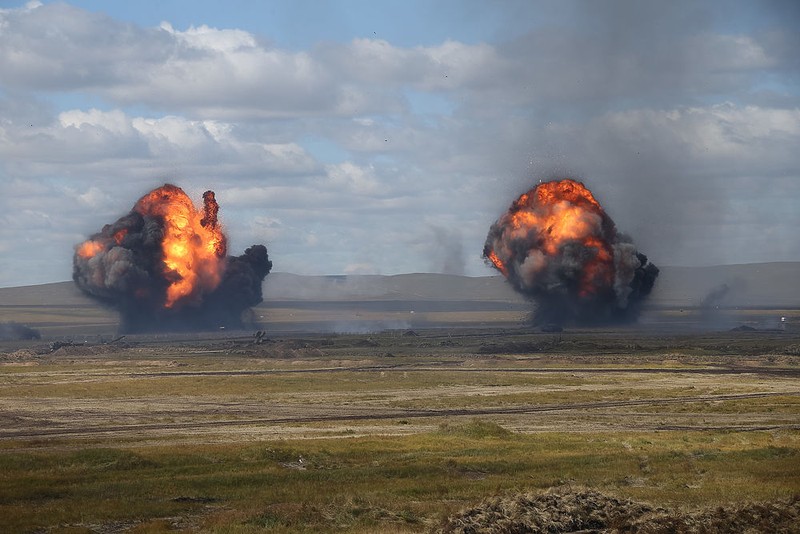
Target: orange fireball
(164,266)
(193,245)
(557,246)
(550,221)
(89,249)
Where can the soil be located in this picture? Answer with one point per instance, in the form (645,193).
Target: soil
(582,510)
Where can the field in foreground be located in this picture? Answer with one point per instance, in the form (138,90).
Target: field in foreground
(389,432)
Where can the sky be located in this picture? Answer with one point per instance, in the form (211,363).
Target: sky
(363,137)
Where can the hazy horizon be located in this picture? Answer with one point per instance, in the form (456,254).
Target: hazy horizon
(489,274)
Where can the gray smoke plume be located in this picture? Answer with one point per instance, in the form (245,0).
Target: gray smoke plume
(12,331)
(715,297)
(447,250)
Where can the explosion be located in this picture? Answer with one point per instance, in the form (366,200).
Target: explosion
(164,266)
(557,246)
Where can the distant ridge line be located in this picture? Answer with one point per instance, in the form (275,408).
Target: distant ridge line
(770,284)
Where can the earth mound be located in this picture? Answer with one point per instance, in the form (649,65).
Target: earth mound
(565,510)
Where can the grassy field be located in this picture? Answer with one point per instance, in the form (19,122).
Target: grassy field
(387,432)
(377,483)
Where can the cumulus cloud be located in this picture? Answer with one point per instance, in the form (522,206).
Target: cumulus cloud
(219,73)
(85,139)
(213,39)
(351,177)
(446,67)
(683,117)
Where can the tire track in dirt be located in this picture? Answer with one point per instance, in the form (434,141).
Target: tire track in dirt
(389,368)
(407,414)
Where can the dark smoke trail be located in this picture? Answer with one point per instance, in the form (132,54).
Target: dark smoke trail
(163,267)
(715,297)
(557,246)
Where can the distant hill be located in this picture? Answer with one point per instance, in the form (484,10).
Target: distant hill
(418,286)
(748,285)
(55,294)
(758,284)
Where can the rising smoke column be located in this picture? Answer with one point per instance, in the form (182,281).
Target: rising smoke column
(557,246)
(164,266)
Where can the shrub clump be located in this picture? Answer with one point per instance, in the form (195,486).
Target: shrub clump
(477,429)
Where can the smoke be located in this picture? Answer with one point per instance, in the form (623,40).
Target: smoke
(164,267)
(14,331)
(446,250)
(558,247)
(715,297)
(713,307)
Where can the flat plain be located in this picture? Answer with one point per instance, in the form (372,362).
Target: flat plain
(392,429)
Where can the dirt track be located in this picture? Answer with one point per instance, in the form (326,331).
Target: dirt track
(599,370)
(189,390)
(341,415)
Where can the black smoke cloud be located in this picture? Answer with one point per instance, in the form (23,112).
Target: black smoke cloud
(128,275)
(557,302)
(555,273)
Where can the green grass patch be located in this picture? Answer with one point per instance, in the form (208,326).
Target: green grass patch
(366,484)
(475,429)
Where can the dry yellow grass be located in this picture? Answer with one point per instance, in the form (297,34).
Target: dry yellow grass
(385,432)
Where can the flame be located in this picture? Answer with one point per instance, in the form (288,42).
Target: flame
(209,220)
(120,235)
(542,223)
(497,262)
(89,249)
(193,244)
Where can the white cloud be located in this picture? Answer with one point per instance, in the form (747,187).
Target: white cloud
(206,38)
(266,228)
(449,66)
(94,143)
(723,137)
(94,198)
(115,122)
(323,151)
(229,74)
(351,178)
